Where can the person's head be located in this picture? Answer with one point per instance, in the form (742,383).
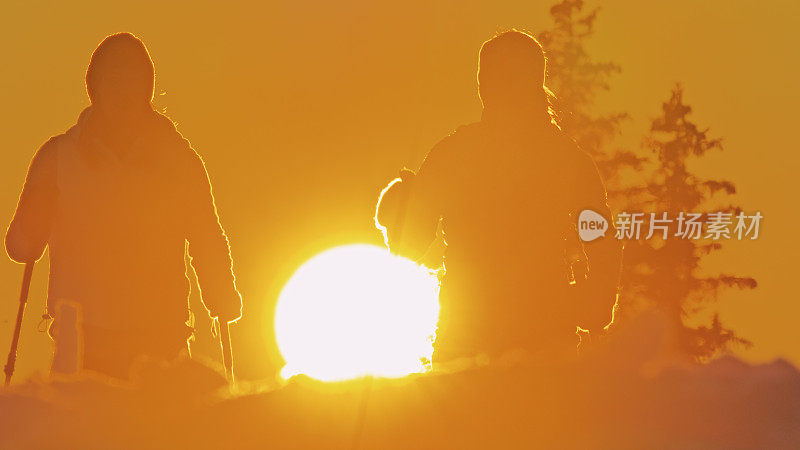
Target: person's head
(121,77)
(511,72)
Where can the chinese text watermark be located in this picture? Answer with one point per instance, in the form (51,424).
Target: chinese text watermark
(635,226)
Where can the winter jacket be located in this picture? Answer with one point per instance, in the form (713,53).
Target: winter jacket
(118,224)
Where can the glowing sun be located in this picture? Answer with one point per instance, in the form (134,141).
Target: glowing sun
(357,310)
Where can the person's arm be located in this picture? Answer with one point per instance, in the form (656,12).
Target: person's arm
(405,231)
(208,247)
(29,231)
(410,207)
(604,255)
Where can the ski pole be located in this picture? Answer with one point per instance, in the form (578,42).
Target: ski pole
(227,353)
(23,299)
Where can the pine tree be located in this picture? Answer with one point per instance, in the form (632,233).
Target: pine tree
(656,274)
(576,79)
(665,273)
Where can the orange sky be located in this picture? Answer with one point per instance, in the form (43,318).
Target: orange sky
(302,111)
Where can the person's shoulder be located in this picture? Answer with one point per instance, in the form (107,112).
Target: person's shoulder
(564,140)
(177,144)
(570,148)
(63,143)
(47,154)
(51,145)
(466,133)
(166,129)
(455,142)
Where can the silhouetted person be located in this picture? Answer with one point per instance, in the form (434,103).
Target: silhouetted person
(116,198)
(507,190)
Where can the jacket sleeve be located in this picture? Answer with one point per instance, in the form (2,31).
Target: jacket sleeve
(409,208)
(604,255)
(208,247)
(29,231)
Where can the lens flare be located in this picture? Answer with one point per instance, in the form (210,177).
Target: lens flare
(357,310)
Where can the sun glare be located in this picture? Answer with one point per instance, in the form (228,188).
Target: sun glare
(357,310)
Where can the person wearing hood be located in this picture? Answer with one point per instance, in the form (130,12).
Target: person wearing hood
(118,199)
(503,196)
